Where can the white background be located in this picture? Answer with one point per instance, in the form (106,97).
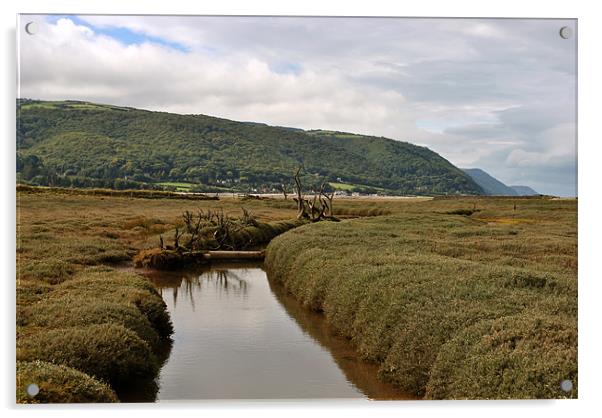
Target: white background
(590,210)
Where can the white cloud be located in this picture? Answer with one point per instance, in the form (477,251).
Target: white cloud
(497,94)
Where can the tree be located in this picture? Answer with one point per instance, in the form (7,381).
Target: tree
(314,208)
(31,166)
(283,189)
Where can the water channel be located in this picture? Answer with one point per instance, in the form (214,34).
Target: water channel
(240,336)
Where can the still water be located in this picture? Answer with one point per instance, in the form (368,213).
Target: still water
(238,336)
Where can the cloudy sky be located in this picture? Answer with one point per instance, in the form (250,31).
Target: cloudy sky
(493,94)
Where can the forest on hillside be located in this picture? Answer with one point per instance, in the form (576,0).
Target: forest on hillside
(82,144)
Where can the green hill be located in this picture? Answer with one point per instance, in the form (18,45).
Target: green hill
(524,191)
(83,144)
(489,184)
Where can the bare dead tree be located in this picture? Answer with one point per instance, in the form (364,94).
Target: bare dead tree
(193,226)
(176,239)
(320,210)
(327,201)
(301,202)
(316,207)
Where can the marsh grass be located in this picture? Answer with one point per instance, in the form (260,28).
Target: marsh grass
(127,289)
(535,352)
(60,384)
(108,352)
(360,212)
(402,286)
(140,194)
(105,323)
(417,290)
(79,310)
(74,308)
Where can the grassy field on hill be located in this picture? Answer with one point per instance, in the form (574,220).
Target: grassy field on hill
(179,186)
(453,298)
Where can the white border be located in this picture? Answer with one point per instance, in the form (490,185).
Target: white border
(590,209)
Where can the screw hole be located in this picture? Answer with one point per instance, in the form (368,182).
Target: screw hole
(566,32)
(566,385)
(31,28)
(33,389)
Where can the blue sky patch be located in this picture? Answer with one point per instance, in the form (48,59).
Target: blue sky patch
(123,35)
(286,68)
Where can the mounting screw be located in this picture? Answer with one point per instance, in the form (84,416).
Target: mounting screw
(31,28)
(566,32)
(566,385)
(33,389)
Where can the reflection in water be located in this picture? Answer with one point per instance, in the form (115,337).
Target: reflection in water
(145,390)
(361,373)
(225,281)
(239,337)
(221,280)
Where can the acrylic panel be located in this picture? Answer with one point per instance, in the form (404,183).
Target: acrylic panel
(227,207)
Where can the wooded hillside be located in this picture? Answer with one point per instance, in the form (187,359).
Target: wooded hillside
(83,144)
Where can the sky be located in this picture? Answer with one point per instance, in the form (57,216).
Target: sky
(495,94)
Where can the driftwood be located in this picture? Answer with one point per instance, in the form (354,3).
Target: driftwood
(234,255)
(174,259)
